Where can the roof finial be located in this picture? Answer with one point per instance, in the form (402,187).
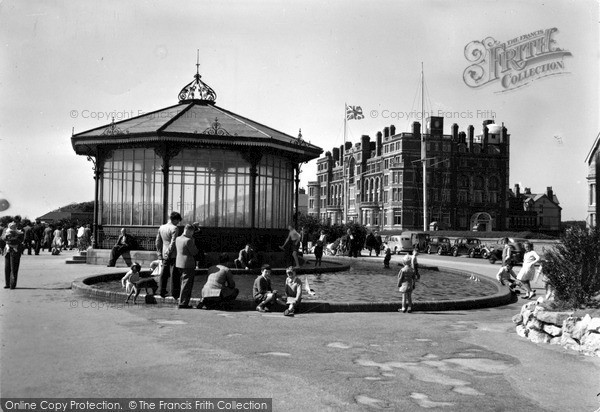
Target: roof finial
(198,62)
(197,89)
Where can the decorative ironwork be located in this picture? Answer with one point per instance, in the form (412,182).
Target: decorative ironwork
(197,89)
(93,160)
(113,129)
(216,129)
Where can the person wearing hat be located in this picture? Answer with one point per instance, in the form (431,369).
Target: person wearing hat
(263,293)
(13,239)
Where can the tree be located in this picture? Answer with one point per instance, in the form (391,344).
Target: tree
(573,266)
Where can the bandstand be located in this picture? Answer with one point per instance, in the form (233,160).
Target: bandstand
(236,177)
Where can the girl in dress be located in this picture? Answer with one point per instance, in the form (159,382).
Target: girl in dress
(57,242)
(406,283)
(527,271)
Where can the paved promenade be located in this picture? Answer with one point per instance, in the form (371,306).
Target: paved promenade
(56,344)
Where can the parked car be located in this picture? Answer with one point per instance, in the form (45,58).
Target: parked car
(517,250)
(407,241)
(440,245)
(469,246)
(394,242)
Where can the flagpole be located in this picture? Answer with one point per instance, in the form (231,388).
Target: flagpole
(423,150)
(345,213)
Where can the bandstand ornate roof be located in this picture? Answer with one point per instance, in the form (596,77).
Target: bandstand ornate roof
(195,121)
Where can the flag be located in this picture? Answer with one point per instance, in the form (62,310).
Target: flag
(354,112)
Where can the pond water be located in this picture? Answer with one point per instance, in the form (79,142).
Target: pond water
(364,282)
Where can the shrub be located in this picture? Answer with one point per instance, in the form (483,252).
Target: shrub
(573,266)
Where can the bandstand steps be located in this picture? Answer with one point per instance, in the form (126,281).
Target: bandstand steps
(77,259)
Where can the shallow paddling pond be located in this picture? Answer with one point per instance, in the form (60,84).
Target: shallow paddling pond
(364,282)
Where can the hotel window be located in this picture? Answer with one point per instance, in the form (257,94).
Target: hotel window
(397,218)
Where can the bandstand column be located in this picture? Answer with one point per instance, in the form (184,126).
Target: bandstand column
(166,153)
(97,168)
(252,158)
(253,175)
(165,199)
(296,211)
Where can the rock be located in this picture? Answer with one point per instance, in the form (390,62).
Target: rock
(590,343)
(535,324)
(556,318)
(555,341)
(569,342)
(528,306)
(594,325)
(569,324)
(518,319)
(552,330)
(538,337)
(538,309)
(522,331)
(526,315)
(580,328)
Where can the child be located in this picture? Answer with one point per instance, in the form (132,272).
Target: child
(293,291)
(406,284)
(130,281)
(57,243)
(547,286)
(319,248)
(506,274)
(414,263)
(262,292)
(387,256)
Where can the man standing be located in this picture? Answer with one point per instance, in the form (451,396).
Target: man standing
(38,236)
(47,238)
(71,237)
(87,236)
(123,245)
(27,236)
(13,239)
(379,242)
(165,246)
(186,263)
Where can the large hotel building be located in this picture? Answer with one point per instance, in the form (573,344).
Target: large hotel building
(467,179)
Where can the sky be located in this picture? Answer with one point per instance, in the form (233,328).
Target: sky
(71,66)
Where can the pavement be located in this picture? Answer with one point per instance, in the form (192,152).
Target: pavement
(57,344)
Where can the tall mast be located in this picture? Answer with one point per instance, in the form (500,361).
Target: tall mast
(423,150)
(345,197)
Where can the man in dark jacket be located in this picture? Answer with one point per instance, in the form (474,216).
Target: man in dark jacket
(27,236)
(123,245)
(38,236)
